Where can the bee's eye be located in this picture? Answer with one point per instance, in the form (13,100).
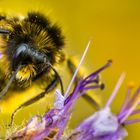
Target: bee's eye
(26,54)
(22,49)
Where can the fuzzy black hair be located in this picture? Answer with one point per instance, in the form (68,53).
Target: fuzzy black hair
(39,19)
(55,33)
(40,35)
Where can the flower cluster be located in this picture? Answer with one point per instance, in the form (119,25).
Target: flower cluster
(53,123)
(102,125)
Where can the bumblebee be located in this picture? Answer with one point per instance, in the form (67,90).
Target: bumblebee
(29,49)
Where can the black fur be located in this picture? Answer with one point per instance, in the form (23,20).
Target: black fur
(31,48)
(26,31)
(39,19)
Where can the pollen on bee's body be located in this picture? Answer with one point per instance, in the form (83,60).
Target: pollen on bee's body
(26,72)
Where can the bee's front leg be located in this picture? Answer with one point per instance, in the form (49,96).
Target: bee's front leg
(48,89)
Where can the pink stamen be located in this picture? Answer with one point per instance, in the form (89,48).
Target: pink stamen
(134,97)
(126,100)
(130,111)
(118,85)
(135,112)
(128,103)
(131,121)
(121,115)
(76,71)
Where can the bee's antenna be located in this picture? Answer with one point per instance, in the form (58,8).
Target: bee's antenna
(60,80)
(3,31)
(9,83)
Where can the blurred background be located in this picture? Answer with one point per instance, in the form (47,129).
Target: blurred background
(113,25)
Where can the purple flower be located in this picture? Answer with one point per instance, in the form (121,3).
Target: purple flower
(103,124)
(54,122)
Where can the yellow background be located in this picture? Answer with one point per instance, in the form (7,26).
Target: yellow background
(113,25)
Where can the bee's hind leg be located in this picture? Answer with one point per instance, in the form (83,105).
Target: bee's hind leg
(48,89)
(72,69)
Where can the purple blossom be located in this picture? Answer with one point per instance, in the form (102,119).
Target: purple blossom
(103,124)
(54,122)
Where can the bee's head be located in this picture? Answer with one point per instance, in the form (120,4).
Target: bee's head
(25,54)
(24,62)
(32,46)
(32,61)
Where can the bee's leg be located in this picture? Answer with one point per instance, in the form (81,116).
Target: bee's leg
(48,89)
(72,69)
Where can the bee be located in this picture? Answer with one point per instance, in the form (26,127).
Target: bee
(29,49)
